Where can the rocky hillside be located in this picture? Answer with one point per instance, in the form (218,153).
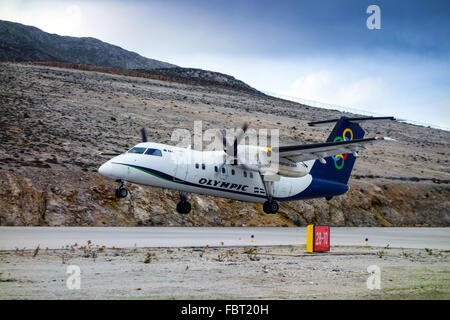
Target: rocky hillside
(200,77)
(25,43)
(175,74)
(19,43)
(54,122)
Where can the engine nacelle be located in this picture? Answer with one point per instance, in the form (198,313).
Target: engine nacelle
(293,170)
(262,160)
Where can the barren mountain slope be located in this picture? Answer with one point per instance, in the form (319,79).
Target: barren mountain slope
(19,42)
(54,122)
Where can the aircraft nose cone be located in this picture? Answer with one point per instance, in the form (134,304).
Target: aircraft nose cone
(104,169)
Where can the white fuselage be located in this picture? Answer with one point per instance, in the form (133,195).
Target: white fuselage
(202,172)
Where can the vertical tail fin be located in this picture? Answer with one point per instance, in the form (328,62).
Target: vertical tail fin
(338,168)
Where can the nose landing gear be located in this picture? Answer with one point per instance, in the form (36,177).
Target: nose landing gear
(183,207)
(270,206)
(121,192)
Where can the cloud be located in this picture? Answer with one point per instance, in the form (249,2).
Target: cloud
(51,16)
(329,87)
(361,92)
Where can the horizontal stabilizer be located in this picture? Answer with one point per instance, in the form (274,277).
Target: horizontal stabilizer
(352,120)
(323,150)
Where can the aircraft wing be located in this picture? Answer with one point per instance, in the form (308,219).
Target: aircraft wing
(305,152)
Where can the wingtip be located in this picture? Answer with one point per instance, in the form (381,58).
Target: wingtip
(385,138)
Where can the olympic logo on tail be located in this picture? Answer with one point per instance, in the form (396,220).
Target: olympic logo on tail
(341,157)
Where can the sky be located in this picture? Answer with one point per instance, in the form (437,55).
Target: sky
(318,50)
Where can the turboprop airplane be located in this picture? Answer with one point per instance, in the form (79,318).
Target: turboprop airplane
(303,171)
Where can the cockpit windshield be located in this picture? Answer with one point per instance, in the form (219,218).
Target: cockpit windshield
(137,150)
(154,152)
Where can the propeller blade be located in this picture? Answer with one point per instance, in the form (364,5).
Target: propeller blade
(221,136)
(231,150)
(238,139)
(143,134)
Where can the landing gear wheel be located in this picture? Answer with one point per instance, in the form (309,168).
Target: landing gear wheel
(183,207)
(121,192)
(270,207)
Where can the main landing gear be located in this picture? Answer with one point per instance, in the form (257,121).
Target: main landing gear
(270,206)
(121,192)
(183,207)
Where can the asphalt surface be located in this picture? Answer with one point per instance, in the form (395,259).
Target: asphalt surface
(128,237)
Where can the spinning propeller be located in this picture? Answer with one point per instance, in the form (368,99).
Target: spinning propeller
(231,151)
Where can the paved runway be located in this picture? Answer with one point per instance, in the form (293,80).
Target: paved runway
(125,237)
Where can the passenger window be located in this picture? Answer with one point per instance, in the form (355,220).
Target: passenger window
(232,172)
(154,152)
(216,169)
(203,166)
(245,174)
(223,169)
(137,150)
(251,175)
(196,166)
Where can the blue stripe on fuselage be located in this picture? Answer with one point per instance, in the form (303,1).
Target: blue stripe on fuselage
(319,188)
(171,179)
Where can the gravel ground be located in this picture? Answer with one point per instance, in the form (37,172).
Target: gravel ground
(224,273)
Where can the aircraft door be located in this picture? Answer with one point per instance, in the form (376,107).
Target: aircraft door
(180,166)
(282,188)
